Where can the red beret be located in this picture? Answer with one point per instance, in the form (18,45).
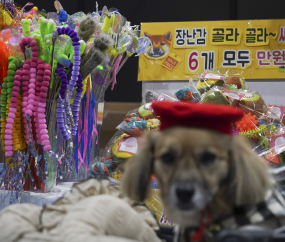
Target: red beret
(212,116)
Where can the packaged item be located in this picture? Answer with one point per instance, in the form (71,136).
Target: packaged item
(188,94)
(151,96)
(125,142)
(236,81)
(146,112)
(134,126)
(279,111)
(221,77)
(209,80)
(251,102)
(272,148)
(155,205)
(215,96)
(250,127)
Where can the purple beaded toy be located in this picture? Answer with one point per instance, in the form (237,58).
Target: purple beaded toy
(67,116)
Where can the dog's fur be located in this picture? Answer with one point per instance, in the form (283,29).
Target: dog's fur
(161,45)
(221,170)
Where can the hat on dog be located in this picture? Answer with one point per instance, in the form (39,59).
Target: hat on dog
(212,116)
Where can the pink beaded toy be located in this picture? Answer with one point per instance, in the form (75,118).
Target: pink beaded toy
(36,77)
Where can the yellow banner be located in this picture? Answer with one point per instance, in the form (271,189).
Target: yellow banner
(255,48)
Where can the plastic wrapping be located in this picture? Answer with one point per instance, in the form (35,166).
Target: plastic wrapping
(272,147)
(151,96)
(254,106)
(215,96)
(135,126)
(154,203)
(188,94)
(251,102)
(221,77)
(261,124)
(116,156)
(279,111)
(125,142)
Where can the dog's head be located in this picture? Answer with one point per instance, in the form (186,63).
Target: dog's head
(197,169)
(161,45)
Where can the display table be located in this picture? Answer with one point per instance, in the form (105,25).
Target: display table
(39,199)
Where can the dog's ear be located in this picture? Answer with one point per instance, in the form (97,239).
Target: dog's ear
(250,177)
(136,179)
(147,34)
(168,36)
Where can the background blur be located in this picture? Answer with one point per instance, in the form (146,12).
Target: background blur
(127,88)
(127,92)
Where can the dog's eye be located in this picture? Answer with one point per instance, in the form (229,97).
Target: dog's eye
(168,158)
(162,43)
(207,158)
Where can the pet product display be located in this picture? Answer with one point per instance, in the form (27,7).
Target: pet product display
(55,70)
(125,142)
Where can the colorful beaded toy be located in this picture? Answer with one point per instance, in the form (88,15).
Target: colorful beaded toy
(63,108)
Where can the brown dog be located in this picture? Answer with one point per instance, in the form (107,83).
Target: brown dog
(197,169)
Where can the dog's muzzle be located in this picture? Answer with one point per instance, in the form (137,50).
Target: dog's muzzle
(156,53)
(188,196)
(184,194)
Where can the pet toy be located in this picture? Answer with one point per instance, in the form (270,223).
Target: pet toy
(62,15)
(252,103)
(63,108)
(247,123)
(205,85)
(263,143)
(145,111)
(215,97)
(13,132)
(96,56)
(254,133)
(10,14)
(187,95)
(151,96)
(36,77)
(237,82)
(26,26)
(135,126)
(272,159)
(87,27)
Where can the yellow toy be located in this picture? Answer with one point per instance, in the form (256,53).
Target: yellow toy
(205,85)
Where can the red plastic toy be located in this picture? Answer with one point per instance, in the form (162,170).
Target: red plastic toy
(248,122)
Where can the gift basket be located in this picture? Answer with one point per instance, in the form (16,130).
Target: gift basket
(55,70)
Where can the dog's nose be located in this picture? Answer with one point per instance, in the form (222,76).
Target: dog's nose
(156,50)
(184,195)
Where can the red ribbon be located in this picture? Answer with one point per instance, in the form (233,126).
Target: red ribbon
(199,234)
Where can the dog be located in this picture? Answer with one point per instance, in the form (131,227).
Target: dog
(161,45)
(198,170)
